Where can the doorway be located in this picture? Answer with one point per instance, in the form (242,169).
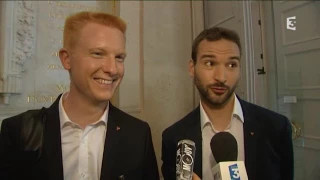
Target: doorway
(292,44)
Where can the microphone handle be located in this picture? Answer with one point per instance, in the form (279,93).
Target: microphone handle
(186,152)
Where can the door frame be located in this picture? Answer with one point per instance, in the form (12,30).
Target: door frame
(269,54)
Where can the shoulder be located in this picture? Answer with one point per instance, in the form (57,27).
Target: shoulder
(263,115)
(180,126)
(127,119)
(12,127)
(258,109)
(17,120)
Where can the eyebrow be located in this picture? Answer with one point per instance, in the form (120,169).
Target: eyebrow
(213,56)
(103,50)
(97,48)
(207,56)
(235,57)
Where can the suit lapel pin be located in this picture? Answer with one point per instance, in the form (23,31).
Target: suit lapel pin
(252,133)
(118,128)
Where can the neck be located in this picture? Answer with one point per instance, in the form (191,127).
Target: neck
(82,110)
(220,116)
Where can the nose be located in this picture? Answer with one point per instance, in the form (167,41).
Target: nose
(220,74)
(109,65)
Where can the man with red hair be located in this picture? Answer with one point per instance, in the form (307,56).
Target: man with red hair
(82,135)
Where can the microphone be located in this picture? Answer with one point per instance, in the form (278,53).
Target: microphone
(224,148)
(186,152)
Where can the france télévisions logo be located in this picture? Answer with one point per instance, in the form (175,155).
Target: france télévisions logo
(234,172)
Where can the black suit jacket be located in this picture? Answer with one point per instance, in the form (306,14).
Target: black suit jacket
(267,143)
(128,151)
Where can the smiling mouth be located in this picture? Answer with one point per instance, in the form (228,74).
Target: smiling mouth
(104,81)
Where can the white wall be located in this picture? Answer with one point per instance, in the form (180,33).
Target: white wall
(156,86)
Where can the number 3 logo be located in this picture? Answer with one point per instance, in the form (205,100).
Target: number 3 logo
(235,173)
(291,21)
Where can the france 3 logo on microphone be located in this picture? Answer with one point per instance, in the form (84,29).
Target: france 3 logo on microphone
(234,172)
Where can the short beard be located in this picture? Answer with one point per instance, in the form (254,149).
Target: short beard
(205,94)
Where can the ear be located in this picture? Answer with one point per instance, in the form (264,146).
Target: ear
(191,68)
(65,58)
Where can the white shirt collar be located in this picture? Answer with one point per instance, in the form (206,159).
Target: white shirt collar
(237,111)
(65,119)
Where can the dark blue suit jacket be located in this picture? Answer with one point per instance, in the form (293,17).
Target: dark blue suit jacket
(267,143)
(128,151)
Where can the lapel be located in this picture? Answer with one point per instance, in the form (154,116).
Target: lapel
(111,143)
(251,134)
(193,132)
(52,160)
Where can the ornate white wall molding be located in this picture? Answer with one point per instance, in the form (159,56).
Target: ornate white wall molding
(18,34)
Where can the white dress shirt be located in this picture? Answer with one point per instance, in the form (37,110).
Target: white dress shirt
(82,149)
(235,128)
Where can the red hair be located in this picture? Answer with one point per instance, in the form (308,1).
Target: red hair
(76,22)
